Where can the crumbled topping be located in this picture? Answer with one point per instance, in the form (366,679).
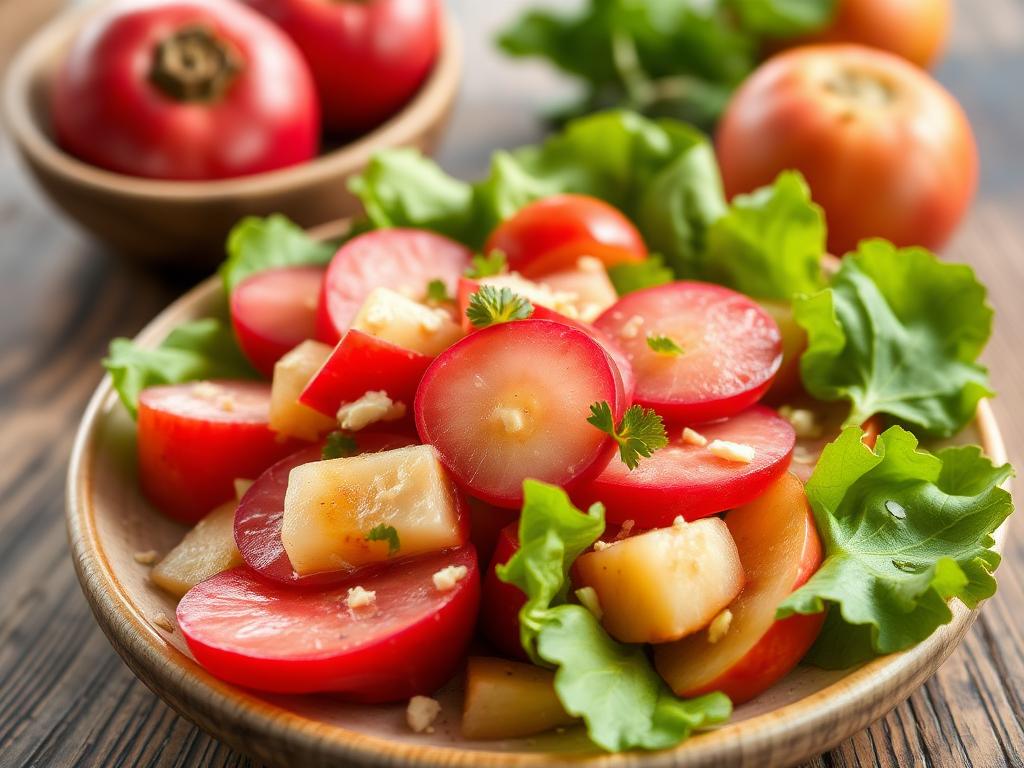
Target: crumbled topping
(719,626)
(601,546)
(680,522)
(147,557)
(447,578)
(227,403)
(631,328)
(802,420)
(360,598)
(590,600)
(693,437)
(421,713)
(160,620)
(370,408)
(589,264)
(207,390)
(738,452)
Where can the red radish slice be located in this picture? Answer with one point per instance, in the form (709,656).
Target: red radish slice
(511,401)
(362,363)
(405,260)
(485,524)
(274,311)
(500,603)
(195,439)
(731,347)
(689,480)
(259,515)
(271,637)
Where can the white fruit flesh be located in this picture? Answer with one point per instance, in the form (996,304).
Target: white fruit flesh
(205,551)
(331,506)
(507,700)
(592,289)
(664,584)
(390,316)
(291,375)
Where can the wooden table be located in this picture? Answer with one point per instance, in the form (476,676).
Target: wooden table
(67,699)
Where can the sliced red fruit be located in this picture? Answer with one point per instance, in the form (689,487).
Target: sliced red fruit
(500,603)
(551,234)
(195,439)
(405,260)
(688,480)
(731,349)
(261,510)
(486,522)
(779,548)
(270,637)
(274,311)
(362,363)
(511,401)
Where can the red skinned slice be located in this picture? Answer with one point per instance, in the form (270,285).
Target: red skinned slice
(362,363)
(511,401)
(251,632)
(261,511)
(732,349)
(486,522)
(688,480)
(405,260)
(196,439)
(500,603)
(274,311)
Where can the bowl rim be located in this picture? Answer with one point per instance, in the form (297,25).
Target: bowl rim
(439,88)
(255,726)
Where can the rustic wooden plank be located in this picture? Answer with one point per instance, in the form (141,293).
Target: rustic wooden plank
(66,699)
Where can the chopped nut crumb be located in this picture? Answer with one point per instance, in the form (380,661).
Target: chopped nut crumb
(360,598)
(803,421)
(631,328)
(421,713)
(693,437)
(370,408)
(160,620)
(719,626)
(227,403)
(680,522)
(148,557)
(738,452)
(601,546)
(447,578)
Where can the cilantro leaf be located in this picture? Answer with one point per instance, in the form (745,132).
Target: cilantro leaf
(386,533)
(635,276)
(490,305)
(487,265)
(339,445)
(769,243)
(639,433)
(904,531)
(201,349)
(437,292)
(898,333)
(612,686)
(663,345)
(256,244)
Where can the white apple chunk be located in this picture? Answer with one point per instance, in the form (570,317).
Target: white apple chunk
(589,284)
(205,551)
(331,506)
(292,372)
(663,584)
(509,699)
(392,317)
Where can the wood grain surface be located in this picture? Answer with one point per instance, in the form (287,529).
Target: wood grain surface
(67,699)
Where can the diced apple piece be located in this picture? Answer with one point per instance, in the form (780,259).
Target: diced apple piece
(291,375)
(331,506)
(663,584)
(508,700)
(206,550)
(588,283)
(779,548)
(390,316)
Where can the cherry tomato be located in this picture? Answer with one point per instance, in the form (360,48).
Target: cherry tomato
(913,29)
(368,57)
(271,637)
(274,311)
(727,348)
(551,234)
(500,603)
(185,90)
(687,479)
(405,260)
(261,510)
(195,440)
(886,150)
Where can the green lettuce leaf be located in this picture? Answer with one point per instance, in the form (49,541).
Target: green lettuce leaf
(898,332)
(904,531)
(611,685)
(201,349)
(770,243)
(635,276)
(255,244)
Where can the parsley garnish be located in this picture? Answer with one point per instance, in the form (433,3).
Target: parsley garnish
(437,291)
(339,445)
(385,533)
(492,264)
(639,434)
(490,305)
(663,345)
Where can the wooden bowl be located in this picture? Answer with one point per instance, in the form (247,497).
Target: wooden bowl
(808,712)
(183,222)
